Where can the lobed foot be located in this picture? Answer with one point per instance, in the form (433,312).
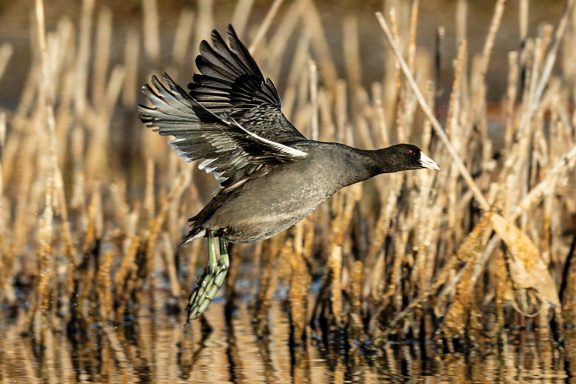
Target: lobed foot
(211,280)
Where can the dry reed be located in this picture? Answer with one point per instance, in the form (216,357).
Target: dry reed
(481,247)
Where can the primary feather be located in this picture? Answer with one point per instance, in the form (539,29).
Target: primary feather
(231,119)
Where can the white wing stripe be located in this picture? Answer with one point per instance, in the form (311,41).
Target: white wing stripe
(204,164)
(293,152)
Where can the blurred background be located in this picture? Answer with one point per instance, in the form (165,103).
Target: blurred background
(128,15)
(467,274)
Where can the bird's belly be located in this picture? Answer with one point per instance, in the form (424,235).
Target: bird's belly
(261,229)
(260,212)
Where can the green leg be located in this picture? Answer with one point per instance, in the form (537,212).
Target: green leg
(211,279)
(212,263)
(223,264)
(224,258)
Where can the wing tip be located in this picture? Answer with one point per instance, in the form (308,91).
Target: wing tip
(232,35)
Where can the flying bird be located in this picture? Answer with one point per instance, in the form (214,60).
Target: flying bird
(270,175)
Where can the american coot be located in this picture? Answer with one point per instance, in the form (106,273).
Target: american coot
(271,176)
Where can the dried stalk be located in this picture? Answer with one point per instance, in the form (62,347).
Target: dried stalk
(265,25)
(435,124)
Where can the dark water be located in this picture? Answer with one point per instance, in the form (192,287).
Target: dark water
(159,349)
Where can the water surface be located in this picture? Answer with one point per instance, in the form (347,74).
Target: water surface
(156,348)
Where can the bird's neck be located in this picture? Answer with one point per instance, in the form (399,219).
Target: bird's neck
(361,164)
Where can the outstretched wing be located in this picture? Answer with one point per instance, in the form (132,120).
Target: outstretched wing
(229,151)
(231,83)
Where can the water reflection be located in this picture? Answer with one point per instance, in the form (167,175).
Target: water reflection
(159,349)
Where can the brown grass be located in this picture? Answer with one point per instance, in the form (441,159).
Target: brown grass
(93,205)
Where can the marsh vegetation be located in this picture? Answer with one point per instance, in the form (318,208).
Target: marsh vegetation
(478,257)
